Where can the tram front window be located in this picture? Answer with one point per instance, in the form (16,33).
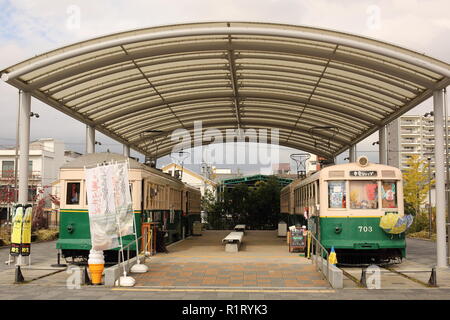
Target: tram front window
(336,194)
(389,194)
(363,195)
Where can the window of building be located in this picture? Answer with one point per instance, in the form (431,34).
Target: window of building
(7,168)
(31,193)
(336,194)
(363,194)
(73,193)
(389,194)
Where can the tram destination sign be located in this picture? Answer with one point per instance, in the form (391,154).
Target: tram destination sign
(363,173)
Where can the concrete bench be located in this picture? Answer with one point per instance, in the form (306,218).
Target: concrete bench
(240,227)
(233,241)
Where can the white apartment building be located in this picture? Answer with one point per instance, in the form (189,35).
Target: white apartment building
(410,135)
(46,157)
(190,177)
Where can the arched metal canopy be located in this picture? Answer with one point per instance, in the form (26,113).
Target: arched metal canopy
(232,75)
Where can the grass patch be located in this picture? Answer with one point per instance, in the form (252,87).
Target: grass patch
(46,234)
(422,235)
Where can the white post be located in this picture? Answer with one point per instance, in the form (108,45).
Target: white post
(382,145)
(90,139)
(438,102)
(126,151)
(352,154)
(24,145)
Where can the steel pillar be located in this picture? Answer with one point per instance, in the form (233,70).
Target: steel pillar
(24,144)
(438,103)
(382,145)
(352,153)
(90,139)
(126,151)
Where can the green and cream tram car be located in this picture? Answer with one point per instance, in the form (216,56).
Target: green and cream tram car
(156,197)
(343,205)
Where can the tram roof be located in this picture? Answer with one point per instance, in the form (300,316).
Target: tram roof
(324,90)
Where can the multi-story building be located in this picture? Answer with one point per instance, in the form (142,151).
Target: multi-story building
(410,135)
(45,158)
(190,177)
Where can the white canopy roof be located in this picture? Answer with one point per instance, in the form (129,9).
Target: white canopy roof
(324,90)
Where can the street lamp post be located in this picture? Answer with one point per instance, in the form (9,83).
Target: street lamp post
(426,115)
(429,198)
(447,184)
(16,158)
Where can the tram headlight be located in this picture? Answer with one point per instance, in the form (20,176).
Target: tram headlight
(70,228)
(363,161)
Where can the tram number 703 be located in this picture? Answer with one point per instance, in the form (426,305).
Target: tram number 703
(365,228)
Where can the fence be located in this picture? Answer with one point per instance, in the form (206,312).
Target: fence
(318,251)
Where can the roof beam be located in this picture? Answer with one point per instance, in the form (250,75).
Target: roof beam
(313,90)
(234,84)
(363,116)
(153,87)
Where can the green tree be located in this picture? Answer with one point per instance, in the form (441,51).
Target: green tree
(264,208)
(416,183)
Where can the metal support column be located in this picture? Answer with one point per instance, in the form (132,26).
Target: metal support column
(24,144)
(382,145)
(447,169)
(352,153)
(126,151)
(441,252)
(90,139)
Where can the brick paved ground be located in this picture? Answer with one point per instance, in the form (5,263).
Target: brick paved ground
(262,261)
(231,275)
(204,271)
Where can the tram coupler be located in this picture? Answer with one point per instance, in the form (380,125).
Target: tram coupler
(18,275)
(433,280)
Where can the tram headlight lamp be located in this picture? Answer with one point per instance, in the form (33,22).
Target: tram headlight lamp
(363,161)
(70,228)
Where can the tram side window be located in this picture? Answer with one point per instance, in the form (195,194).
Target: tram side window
(389,194)
(73,193)
(336,194)
(318,192)
(363,194)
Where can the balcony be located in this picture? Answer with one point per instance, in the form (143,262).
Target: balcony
(8,175)
(409,151)
(409,133)
(408,141)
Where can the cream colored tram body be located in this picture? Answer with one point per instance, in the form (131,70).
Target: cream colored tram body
(156,197)
(343,205)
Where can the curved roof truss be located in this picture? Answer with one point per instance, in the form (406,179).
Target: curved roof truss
(232,75)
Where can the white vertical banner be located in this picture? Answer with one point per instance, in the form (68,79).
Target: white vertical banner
(102,213)
(122,198)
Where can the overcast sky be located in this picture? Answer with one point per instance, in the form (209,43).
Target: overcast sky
(32,27)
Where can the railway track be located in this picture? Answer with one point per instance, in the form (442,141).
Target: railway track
(389,278)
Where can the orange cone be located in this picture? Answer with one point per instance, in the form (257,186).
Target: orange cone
(96,271)
(96,264)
